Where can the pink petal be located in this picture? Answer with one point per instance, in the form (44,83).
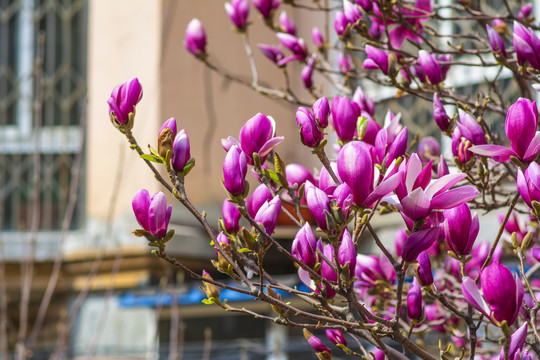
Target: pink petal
(269,145)
(533,149)
(497,152)
(384,188)
(416,205)
(473,296)
(454,197)
(443,184)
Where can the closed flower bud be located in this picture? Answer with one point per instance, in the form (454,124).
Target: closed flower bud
(271,52)
(181,151)
(238,11)
(152,213)
(166,137)
(296,45)
(265,7)
(307,73)
(424,272)
(123,100)
(317,38)
(196,38)
(520,126)
(286,24)
(234,171)
(304,246)
(502,294)
(414,301)
(318,202)
(345,63)
(376,59)
(351,11)
(460,229)
(317,344)
(347,252)
(231,216)
(439,114)
(341,24)
(431,67)
(268,214)
(210,290)
(260,195)
(297,174)
(517,341)
(336,337)
(258,136)
(345,114)
(321,111)
(310,134)
(496,42)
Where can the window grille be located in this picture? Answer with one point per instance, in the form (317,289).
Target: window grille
(63,23)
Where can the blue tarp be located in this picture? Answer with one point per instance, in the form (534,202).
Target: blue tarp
(194,296)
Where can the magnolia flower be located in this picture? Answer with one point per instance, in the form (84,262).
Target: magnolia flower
(356,169)
(526,45)
(418,195)
(502,294)
(376,59)
(152,213)
(336,337)
(520,127)
(258,136)
(528,183)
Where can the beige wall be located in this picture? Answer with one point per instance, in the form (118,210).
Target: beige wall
(145,38)
(124,42)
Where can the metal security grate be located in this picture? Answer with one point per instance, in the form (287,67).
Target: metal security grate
(63,23)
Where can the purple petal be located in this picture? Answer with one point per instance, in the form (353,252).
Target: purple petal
(443,184)
(533,149)
(419,241)
(416,205)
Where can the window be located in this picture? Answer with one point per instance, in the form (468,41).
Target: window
(63,25)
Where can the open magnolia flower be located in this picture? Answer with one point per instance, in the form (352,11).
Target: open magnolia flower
(502,294)
(418,196)
(520,127)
